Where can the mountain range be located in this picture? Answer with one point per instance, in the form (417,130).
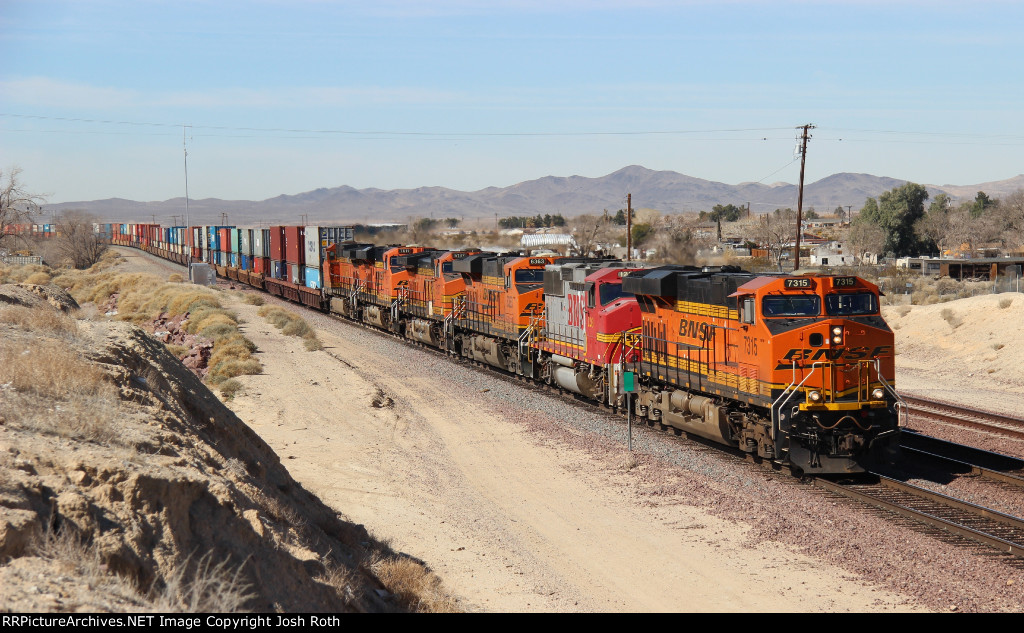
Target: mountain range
(666,191)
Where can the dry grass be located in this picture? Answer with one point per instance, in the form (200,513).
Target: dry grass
(48,387)
(253,299)
(143,297)
(1005,303)
(413,584)
(175,278)
(202,587)
(199,587)
(291,324)
(41,319)
(40,279)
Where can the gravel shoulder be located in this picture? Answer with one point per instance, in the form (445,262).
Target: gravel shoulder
(522,501)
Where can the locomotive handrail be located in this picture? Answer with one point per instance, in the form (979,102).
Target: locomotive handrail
(777,405)
(901,418)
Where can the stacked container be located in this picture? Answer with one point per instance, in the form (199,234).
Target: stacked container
(277,252)
(317,239)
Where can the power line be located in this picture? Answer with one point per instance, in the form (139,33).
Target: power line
(388,132)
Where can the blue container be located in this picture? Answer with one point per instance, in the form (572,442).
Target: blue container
(246,262)
(233,258)
(313,278)
(275,269)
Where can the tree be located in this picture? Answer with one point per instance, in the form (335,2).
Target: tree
(77,240)
(591,232)
(982,203)
(896,212)
(17,206)
(776,234)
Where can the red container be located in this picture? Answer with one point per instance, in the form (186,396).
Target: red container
(277,242)
(295,245)
(259,265)
(224,237)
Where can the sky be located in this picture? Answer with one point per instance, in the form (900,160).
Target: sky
(102,98)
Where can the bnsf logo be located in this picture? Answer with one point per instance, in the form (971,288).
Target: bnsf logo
(696,329)
(577,309)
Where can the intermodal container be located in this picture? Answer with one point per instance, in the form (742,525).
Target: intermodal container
(295,244)
(295,274)
(224,240)
(318,238)
(277,244)
(236,239)
(259,265)
(313,278)
(245,242)
(275,269)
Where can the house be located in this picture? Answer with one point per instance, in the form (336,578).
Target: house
(833,254)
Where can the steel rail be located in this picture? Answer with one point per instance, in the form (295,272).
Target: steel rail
(1013,548)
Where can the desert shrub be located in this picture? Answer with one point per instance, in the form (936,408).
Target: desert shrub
(950,317)
(40,279)
(230,387)
(998,346)
(254,299)
(291,324)
(903,310)
(413,584)
(1005,303)
(175,278)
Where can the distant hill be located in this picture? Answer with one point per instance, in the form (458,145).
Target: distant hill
(666,191)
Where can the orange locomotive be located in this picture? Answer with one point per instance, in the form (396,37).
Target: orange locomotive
(795,369)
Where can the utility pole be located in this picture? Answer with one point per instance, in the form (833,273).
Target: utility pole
(629,227)
(800,196)
(849,213)
(184,147)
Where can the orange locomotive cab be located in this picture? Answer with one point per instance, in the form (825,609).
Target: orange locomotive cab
(503,301)
(829,365)
(794,369)
(347,271)
(432,294)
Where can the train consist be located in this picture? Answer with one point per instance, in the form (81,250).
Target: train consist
(798,370)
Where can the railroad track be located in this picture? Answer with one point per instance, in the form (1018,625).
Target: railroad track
(965,417)
(949,519)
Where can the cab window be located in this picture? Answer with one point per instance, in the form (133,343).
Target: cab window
(530,276)
(851,304)
(611,292)
(791,306)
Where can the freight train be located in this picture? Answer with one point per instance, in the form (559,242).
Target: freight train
(795,369)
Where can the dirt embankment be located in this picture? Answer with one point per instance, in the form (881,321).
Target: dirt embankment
(126,485)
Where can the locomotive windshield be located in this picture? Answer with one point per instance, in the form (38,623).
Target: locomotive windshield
(851,304)
(611,292)
(530,276)
(791,305)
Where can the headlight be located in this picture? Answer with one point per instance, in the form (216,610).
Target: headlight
(837,331)
(814,396)
(837,334)
(878,394)
(837,339)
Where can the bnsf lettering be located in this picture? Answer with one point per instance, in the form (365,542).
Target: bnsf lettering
(577,310)
(696,329)
(842,353)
